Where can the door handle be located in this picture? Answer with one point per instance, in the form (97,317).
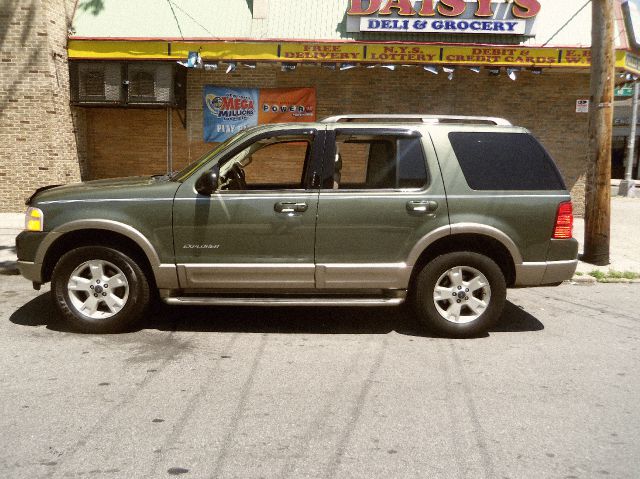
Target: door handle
(422,206)
(290,207)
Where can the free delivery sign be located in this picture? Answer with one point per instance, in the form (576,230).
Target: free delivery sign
(229,110)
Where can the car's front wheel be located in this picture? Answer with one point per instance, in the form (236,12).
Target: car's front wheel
(460,294)
(99,289)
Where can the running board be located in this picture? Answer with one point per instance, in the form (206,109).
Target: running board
(317,301)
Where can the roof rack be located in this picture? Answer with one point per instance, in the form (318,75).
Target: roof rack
(417,119)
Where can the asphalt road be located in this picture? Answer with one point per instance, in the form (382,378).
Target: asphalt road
(552,392)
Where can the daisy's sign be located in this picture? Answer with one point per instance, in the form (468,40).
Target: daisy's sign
(443,16)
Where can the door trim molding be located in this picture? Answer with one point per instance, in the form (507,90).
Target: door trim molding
(362,275)
(246,275)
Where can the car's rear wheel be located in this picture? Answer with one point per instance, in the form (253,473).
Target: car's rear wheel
(460,294)
(99,289)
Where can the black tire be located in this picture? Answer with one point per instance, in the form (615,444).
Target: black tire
(470,322)
(133,304)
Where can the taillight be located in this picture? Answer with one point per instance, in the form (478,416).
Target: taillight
(563,228)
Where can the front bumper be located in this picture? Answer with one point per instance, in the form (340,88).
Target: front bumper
(31,271)
(27,244)
(27,248)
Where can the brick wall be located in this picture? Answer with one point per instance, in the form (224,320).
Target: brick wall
(37,131)
(130,142)
(43,140)
(123,142)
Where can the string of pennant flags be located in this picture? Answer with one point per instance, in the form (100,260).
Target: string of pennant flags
(194,60)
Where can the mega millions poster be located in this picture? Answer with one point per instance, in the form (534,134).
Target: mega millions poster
(230,110)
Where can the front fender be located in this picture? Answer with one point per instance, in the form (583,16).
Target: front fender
(165,273)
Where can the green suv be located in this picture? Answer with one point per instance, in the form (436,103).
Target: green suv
(358,210)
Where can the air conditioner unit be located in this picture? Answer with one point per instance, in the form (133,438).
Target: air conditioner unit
(96,82)
(150,84)
(135,84)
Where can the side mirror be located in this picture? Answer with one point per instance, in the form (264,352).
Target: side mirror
(207,184)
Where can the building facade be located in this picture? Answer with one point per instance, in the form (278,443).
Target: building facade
(38,144)
(140,73)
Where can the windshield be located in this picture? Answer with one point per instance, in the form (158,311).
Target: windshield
(188,171)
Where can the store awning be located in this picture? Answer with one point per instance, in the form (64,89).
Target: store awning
(325,52)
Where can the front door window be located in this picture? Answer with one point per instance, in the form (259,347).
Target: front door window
(272,163)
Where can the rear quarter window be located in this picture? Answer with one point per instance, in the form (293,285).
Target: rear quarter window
(505,161)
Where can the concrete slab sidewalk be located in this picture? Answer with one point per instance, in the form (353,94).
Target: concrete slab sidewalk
(625,238)
(10,226)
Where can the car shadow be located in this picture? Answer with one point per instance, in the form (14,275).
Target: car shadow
(283,320)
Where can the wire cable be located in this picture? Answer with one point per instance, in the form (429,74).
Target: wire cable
(566,23)
(194,20)
(175,18)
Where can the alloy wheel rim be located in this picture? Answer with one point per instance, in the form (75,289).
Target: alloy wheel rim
(98,289)
(462,294)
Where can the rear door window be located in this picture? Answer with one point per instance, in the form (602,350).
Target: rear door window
(370,161)
(505,161)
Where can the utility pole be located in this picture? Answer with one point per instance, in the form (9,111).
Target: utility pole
(598,189)
(627,186)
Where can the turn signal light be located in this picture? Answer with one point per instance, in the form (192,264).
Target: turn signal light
(34,220)
(563,228)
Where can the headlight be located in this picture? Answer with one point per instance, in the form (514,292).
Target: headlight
(34,220)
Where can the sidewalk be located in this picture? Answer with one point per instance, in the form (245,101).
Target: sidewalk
(625,239)
(10,225)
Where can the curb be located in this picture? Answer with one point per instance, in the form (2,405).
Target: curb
(583,279)
(586,279)
(9,268)
(620,280)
